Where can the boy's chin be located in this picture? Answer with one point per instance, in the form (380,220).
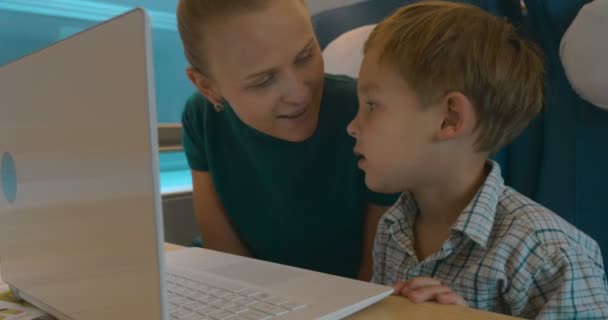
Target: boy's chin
(380,186)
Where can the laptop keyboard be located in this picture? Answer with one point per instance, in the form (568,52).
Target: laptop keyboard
(216,300)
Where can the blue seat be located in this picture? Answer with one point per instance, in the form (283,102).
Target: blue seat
(561,160)
(329,24)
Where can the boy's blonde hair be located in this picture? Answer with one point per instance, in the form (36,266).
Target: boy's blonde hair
(193,15)
(440,47)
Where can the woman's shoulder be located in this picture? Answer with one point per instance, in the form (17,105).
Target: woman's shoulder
(340,93)
(195,104)
(196,110)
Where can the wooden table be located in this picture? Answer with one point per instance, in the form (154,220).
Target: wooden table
(393,308)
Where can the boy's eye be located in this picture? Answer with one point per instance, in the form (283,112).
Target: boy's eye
(371,105)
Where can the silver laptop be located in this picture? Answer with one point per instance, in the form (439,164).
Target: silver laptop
(81,232)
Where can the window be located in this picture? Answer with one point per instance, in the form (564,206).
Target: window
(27,26)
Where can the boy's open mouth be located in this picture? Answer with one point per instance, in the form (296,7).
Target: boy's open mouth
(360,158)
(358,153)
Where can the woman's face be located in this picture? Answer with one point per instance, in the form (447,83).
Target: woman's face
(268,66)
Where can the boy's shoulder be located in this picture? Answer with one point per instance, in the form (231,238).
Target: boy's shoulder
(521,222)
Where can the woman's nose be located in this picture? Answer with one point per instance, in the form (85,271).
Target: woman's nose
(299,95)
(297,92)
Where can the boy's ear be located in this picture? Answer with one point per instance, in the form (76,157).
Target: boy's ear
(205,85)
(458,116)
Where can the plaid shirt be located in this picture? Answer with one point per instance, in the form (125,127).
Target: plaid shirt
(505,254)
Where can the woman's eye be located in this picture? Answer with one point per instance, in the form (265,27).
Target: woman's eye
(265,82)
(304,59)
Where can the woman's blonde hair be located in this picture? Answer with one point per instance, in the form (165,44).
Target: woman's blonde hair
(193,15)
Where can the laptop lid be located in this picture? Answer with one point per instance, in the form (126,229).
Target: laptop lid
(80,223)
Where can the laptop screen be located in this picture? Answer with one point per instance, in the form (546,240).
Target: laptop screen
(80,222)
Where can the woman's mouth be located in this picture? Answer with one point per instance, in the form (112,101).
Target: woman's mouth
(294,115)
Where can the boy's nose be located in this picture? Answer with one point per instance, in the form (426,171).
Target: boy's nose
(353,128)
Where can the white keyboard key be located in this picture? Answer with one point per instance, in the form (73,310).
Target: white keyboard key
(246,301)
(249,292)
(221,315)
(208,299)
(189,292)
(207,310)
(293,305)
(236,308)
(222,303)
(180,314)
(269,308)
(213,290)
(232,297)
(180,291)
(261,296)
(178,301)
(220,293)
(254,315)
(275,300)
(193,306)
(193,285)
(181,282)
(196,296)
(224,285)
(204,289)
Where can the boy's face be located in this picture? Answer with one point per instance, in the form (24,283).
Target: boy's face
(394,133)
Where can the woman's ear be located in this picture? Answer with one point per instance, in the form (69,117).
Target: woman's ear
(458,116)
(205,85)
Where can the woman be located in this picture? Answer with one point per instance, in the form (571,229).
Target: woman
(273,170)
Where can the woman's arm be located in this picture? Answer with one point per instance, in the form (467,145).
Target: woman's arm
(216,229)
(372,216)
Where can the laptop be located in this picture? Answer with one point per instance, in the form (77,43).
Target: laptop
(81,230)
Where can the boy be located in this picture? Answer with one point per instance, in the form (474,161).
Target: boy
(443,86)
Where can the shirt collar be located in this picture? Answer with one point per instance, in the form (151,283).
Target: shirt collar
(477,219)
(399,221)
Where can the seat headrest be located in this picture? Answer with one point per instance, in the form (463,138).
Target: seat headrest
(345,54)
(584,53)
